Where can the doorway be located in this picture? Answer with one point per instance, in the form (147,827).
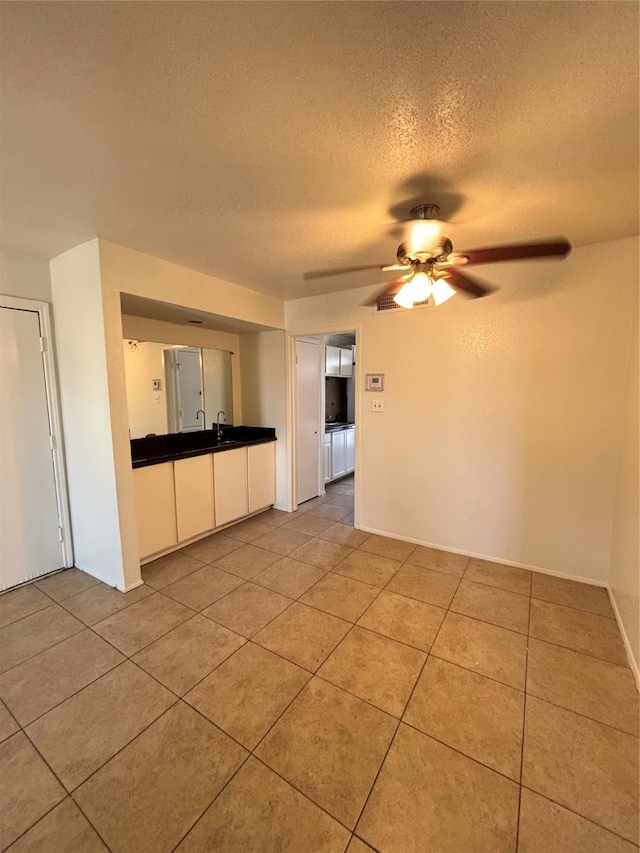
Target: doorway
(324,407)
(185,399)
(308,418)
(34,521)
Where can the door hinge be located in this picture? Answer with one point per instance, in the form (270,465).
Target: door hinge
(60,534)
(52,442)
(43,344)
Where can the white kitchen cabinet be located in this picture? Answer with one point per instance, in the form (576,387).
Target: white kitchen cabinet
(327,457)
(338,361)
(332,361)
(346,362)
(155,508)
(350,449)
(194,495)
(261,475)
(230,485)
(338,453)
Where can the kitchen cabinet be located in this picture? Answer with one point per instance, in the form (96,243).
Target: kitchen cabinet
(194,495)
(327,457)
(346,362)
(338,453)
(350,449)
(338,361)
(155,502)
(230,485)
(261,476)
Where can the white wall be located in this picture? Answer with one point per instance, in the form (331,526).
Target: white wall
(82,368)
(624,579)
(24,276)
(503,415)
(264,398)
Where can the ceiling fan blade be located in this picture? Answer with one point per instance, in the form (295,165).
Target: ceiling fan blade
(341,270)
(520,251)
(462,282)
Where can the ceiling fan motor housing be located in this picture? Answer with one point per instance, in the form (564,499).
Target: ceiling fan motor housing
(440,252)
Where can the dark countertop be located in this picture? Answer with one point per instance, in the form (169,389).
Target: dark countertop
(182,445)
(333,427)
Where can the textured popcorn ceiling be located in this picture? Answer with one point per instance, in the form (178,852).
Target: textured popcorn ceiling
(254,141)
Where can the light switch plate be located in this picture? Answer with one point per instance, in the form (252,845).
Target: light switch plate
(377,405)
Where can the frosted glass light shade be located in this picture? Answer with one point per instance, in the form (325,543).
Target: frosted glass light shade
(440,291)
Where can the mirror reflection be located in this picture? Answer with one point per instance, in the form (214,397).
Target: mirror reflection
(173,388)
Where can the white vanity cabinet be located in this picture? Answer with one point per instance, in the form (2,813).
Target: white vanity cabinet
(194,495)
(155,508)
(261,475)
(230,485)
(184,499)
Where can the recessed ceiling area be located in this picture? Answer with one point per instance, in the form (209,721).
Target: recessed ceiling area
(256,141)
(152,309)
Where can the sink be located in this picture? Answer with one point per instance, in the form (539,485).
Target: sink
(227,442)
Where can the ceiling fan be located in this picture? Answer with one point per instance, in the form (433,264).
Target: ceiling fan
(431,272)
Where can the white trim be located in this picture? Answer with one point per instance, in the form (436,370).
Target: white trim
(634,665)
(43,309)
(314,341)
(490,559)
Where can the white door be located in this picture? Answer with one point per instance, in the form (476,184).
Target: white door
(308,376)
(186,402)
(30,543)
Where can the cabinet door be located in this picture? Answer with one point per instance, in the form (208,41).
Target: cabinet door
(327,457)
(155,508)
(230,485)
(332,361)
(351,449)
(194,495)
(346,362)
(262,475)
(338,453)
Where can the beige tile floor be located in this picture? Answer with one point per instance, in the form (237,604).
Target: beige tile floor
(293,684)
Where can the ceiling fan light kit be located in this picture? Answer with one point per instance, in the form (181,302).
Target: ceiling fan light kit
(431,269)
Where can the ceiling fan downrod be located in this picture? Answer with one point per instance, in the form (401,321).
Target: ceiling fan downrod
(425,211)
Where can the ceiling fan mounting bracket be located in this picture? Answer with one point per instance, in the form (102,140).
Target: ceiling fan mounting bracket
(440,253)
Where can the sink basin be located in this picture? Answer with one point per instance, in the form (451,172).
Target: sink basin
(226,443)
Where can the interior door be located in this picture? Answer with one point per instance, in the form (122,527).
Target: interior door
(30,544)
(308,378)
(190,397)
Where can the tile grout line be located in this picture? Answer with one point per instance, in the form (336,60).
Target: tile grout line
(524,721)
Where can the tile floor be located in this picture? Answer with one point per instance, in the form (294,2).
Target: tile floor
(293,684)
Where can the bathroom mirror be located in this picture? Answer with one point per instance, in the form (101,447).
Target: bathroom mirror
(175,388)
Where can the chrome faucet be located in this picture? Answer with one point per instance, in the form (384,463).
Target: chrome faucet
(219,431)
(204,425)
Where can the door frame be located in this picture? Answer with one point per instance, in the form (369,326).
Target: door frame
(358,379)
(43,310)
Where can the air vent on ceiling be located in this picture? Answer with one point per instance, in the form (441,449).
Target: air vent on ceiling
(385,303)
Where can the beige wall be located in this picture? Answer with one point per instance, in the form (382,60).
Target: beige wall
(503,416)
(264,398)
(24,276)
(624,578)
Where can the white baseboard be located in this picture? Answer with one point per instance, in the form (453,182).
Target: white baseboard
(491,559)
(633,663)
(131,586)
